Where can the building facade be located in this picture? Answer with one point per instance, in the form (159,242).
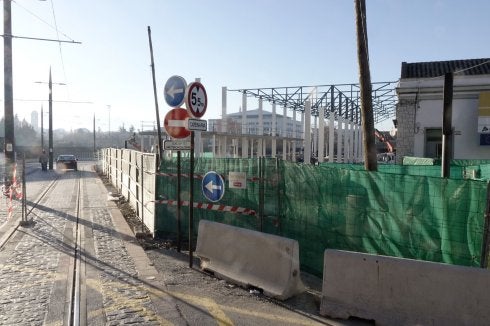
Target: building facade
(271,126)
(419,112)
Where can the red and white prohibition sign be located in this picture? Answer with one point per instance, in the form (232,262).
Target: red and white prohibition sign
(175,123)
(196,99)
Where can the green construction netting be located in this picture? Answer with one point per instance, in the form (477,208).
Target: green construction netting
(410,216)
(455,172)
(261,194)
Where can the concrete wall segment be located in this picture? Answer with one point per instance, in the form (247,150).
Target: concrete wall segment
(249,257)
(396,291)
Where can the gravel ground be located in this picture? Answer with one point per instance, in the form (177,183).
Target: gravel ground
(182,280)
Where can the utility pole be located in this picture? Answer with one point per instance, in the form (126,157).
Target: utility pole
(50,134)
(110,139)
(9,146)
(94,134)
(159,131)
(50,131)
(367,118)
(42,128)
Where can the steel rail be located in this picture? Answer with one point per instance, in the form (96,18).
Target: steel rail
(74,306)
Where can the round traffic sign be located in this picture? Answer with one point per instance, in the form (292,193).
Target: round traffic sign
(196,99)
(174,91)
(213,186)
(175,123)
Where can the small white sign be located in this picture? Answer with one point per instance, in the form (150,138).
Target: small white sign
(177,145)
(237,180)
(197,125)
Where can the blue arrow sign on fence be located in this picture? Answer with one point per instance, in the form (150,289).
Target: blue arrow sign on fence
(213,186)
(174,91)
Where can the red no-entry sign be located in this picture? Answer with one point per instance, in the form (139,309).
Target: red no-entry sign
(175,123)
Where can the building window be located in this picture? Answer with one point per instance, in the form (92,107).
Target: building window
(433,143)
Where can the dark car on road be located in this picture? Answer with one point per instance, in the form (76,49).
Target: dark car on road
(66,161)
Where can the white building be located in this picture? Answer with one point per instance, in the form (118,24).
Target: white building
(419,113)
(271,126)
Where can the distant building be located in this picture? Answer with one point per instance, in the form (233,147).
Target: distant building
(35,120)
(233,123)
(420,106)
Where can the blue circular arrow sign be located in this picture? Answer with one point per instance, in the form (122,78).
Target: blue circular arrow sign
(213,186)
(174,91)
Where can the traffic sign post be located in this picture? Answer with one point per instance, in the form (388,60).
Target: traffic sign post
(196,99)
(213,186)
(175,123)
(178,125)
(174,91)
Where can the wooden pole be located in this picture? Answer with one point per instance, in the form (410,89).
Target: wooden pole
(159,130)
(367,118)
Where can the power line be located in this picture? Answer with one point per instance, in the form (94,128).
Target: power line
(57,101)
(42,20)
(40,39)
(59,43)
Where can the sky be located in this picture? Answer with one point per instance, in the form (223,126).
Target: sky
(237,44)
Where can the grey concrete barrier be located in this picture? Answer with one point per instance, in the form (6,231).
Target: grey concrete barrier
(250,258)
(397,291)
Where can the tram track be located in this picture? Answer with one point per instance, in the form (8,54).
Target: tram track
(74,312)
(72,241)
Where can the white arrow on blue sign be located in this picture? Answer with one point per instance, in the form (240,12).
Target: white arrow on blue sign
(174,91)
(213,186)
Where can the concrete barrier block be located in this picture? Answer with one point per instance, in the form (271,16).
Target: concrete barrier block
(250,258)
(397,291)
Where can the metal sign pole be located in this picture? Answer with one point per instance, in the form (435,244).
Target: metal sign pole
(191,199)
(179,203)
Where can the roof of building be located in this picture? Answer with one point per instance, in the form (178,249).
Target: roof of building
(439,68)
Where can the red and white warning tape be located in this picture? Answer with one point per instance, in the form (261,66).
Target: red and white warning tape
(197,176)
(212,207)
(13,191)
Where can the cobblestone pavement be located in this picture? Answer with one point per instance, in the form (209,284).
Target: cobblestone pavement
(36,263)
(29,261)
(125,298)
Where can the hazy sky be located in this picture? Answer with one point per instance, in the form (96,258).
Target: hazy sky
(238,44)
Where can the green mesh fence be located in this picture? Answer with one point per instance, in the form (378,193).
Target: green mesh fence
(455,172)
(261,194)
(410,216)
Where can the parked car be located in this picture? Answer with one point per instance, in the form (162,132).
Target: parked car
(67,161)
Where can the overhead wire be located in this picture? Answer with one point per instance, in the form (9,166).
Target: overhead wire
(59,44)
(42,20)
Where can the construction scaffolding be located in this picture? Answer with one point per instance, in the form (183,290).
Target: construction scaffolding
(342,100)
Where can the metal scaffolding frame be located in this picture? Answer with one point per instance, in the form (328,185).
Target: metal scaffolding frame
(342,100)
